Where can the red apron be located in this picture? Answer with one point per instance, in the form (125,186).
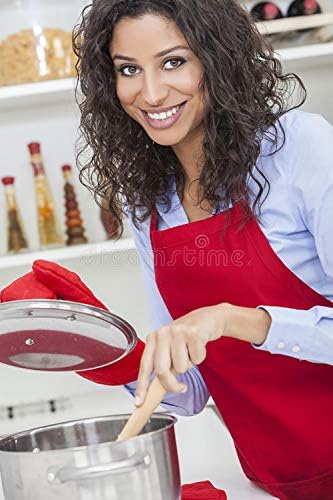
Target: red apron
(278,409)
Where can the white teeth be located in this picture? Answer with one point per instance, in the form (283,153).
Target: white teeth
(164,115)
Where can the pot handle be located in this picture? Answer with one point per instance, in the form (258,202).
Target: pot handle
(68,474)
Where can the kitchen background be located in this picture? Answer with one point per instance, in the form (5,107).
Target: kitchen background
(45,112)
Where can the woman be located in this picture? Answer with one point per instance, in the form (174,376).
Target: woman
(229,191)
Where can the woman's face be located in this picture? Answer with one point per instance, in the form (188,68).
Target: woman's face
(158,78)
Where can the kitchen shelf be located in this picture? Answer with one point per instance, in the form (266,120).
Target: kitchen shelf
(295,23)
(37,94)
(306,52)
(88,253)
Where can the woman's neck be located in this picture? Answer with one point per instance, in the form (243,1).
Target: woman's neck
(190,156)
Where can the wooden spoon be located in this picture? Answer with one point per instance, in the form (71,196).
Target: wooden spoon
(141,415)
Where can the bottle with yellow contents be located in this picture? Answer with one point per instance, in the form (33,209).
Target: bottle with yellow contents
(49,232)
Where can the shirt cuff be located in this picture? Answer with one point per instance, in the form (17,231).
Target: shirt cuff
(291,332)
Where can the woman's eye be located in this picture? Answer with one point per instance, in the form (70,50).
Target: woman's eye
(174,63)
(170,64)
(128,70)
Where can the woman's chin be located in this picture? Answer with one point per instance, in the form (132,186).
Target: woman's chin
(166,139)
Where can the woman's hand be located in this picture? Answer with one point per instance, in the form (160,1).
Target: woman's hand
(177,347)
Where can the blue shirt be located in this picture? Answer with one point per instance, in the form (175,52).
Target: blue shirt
(297,220)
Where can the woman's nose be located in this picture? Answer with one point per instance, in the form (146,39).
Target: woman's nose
(154,91)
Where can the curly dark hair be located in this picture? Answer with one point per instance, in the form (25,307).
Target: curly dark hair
(247,93)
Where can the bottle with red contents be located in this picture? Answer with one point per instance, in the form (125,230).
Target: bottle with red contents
(49,233)
(16,239)
(304,8)
(75,230)
(266,11)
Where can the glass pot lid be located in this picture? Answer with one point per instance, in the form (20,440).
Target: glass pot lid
(58,336)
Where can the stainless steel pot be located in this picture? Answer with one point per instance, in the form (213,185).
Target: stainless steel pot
(80,460)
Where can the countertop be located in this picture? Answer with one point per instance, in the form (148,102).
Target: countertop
(206,451)
(205,448)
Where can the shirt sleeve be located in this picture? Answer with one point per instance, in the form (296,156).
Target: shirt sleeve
(197,395)
(308,335)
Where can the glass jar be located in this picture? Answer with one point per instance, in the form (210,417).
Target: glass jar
(75,229)
(36,39)
(49,232)
(16,240)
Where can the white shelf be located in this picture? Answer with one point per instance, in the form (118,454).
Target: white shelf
(88,253)
(37,94)
(295,23)
(306,52)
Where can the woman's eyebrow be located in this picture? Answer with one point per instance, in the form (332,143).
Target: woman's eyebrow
(160,54)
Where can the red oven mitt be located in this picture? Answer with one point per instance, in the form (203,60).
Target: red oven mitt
(202,491)
(51,281)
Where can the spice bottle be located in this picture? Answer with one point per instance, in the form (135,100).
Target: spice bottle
(75,230)
(110,223)
(49,233)
(16,239)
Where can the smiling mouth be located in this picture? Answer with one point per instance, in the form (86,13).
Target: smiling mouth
(165,114)
(165,119)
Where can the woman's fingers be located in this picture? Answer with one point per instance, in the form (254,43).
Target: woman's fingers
(170,351)
(197,351)
(171,384)
(179,352)
(164,366)
(146,370)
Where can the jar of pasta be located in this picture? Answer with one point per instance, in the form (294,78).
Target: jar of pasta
(36,40)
